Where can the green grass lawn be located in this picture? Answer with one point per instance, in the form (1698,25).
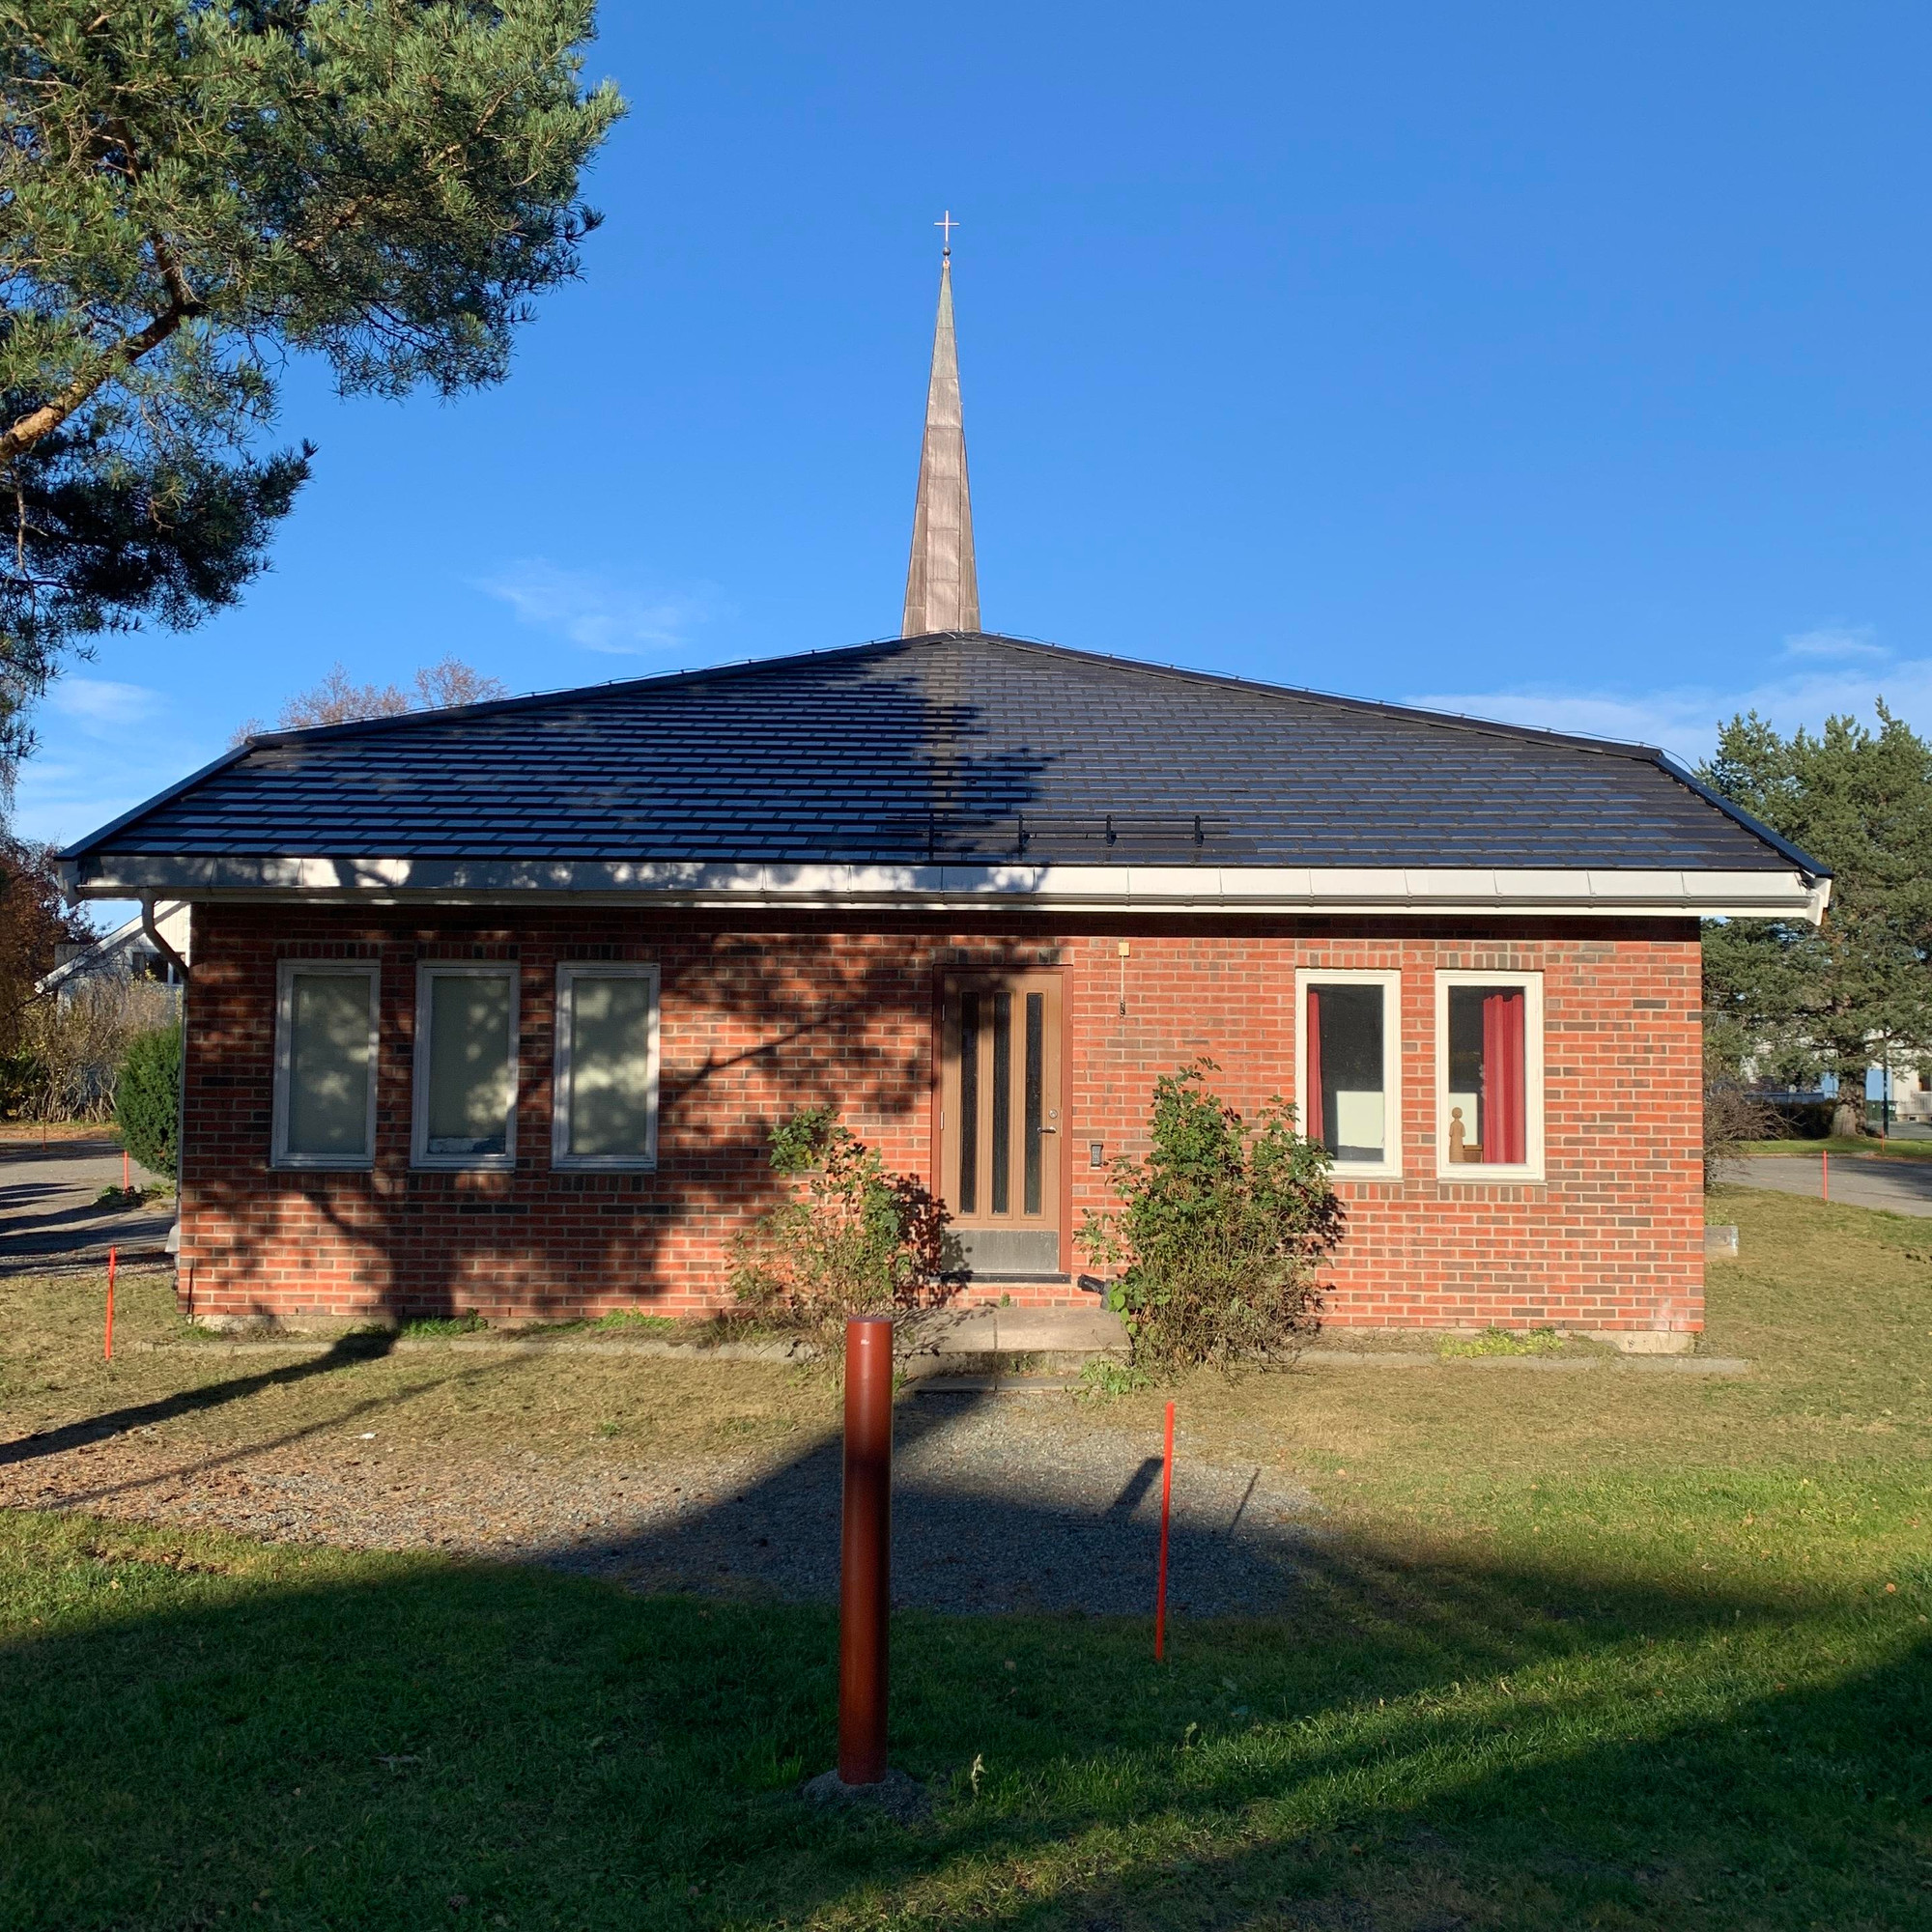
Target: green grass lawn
(1612,1650)
(1891,1148)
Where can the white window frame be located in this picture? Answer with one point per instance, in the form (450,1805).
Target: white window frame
(1389,1167)
(568,973)
(1485,1174)
(279,1155)
(427,972)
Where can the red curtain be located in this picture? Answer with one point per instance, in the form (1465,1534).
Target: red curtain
(1311,1125)
(1504,1108)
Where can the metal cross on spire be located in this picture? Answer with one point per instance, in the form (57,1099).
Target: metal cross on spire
(946,226)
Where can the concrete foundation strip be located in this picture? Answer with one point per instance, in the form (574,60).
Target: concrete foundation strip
(938,1383)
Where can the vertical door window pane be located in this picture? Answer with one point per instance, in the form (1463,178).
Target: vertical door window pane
(1003,1102)
(609,1101)
(470,1071)
(1035,1072)
(1347,1109)
(1488,1097)
(969,1103)
(329,1069)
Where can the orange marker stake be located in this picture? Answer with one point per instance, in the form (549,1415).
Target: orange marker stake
(123,1170)
(1166,1505)
(1825,1174)
(107,1347)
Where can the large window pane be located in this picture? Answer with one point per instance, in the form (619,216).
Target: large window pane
(1003,1102)
(329,1066)
(1035,1085)
(1487,1097)
(969,1103)
(467,1113)
(1347,1107)
(610,1101)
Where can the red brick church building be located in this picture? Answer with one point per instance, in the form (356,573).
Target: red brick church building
(493,1008)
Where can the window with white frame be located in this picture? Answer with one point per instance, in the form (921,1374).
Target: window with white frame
(465,1065)
(1348,1067)
(606,1108)
(325,1027)
(1489,1075)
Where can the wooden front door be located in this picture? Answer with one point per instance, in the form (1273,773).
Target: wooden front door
(1000,1120)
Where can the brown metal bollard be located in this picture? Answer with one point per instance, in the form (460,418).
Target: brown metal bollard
(866,1560)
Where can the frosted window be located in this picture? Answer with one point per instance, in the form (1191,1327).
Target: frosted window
(470,1079)
(608,1097)
(329,1067)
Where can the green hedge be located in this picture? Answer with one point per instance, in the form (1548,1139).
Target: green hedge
(147,1098)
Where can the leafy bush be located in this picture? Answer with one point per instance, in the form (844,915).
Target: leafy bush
(850,1238)
(1219,1234)
(147,1097)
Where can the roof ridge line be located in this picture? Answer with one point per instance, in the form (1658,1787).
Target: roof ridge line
(743,666)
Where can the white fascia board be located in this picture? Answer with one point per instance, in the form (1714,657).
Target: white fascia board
(1459,890)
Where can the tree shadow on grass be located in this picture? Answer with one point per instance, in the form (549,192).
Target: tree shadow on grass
(369,1740)
(346,1352)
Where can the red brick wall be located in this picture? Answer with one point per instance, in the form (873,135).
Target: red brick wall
(754,1024)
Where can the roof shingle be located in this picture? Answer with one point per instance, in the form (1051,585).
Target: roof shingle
(959,747)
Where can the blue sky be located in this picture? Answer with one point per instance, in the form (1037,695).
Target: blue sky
(1560,364)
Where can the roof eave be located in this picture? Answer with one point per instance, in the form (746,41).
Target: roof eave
(1796,894)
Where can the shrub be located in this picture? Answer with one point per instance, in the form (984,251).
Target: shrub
(850,1238)
(1732,1116)
(1219,1234)
(70,1050)
(147,1097)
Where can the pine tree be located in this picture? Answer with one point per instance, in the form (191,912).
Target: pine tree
(191,191)
(1802,1000)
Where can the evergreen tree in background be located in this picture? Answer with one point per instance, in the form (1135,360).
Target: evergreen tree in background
(191,189)
(1803,1001)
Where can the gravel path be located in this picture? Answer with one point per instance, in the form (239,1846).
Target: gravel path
(1001,1503)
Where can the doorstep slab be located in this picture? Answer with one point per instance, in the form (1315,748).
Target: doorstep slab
(1015,1331)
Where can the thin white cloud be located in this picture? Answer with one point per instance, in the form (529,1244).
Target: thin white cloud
(1684,718)
(595,612)
(1835,640)
(101,706)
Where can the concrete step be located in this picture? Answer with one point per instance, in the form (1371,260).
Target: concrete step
(986,1340)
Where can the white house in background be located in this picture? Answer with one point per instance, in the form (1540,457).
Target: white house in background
(125,953)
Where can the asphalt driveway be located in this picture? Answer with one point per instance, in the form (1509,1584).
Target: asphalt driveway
(47,1204)
(1903,1185)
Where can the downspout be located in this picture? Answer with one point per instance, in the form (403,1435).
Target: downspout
(161,946)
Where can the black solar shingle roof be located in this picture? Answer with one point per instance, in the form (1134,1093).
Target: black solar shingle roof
(968,749)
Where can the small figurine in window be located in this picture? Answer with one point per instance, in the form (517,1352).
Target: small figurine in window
(1459,1135)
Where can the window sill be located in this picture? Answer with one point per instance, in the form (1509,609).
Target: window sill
(602,1164)
(495,1163)
(290,1163)
(1474,1174)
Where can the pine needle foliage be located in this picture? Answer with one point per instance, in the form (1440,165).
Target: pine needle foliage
(1221,1229)
(193,191)
(1794,1001)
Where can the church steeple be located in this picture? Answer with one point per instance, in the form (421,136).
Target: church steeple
(942,584)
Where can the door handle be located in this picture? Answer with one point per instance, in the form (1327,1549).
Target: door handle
(1048,1130)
